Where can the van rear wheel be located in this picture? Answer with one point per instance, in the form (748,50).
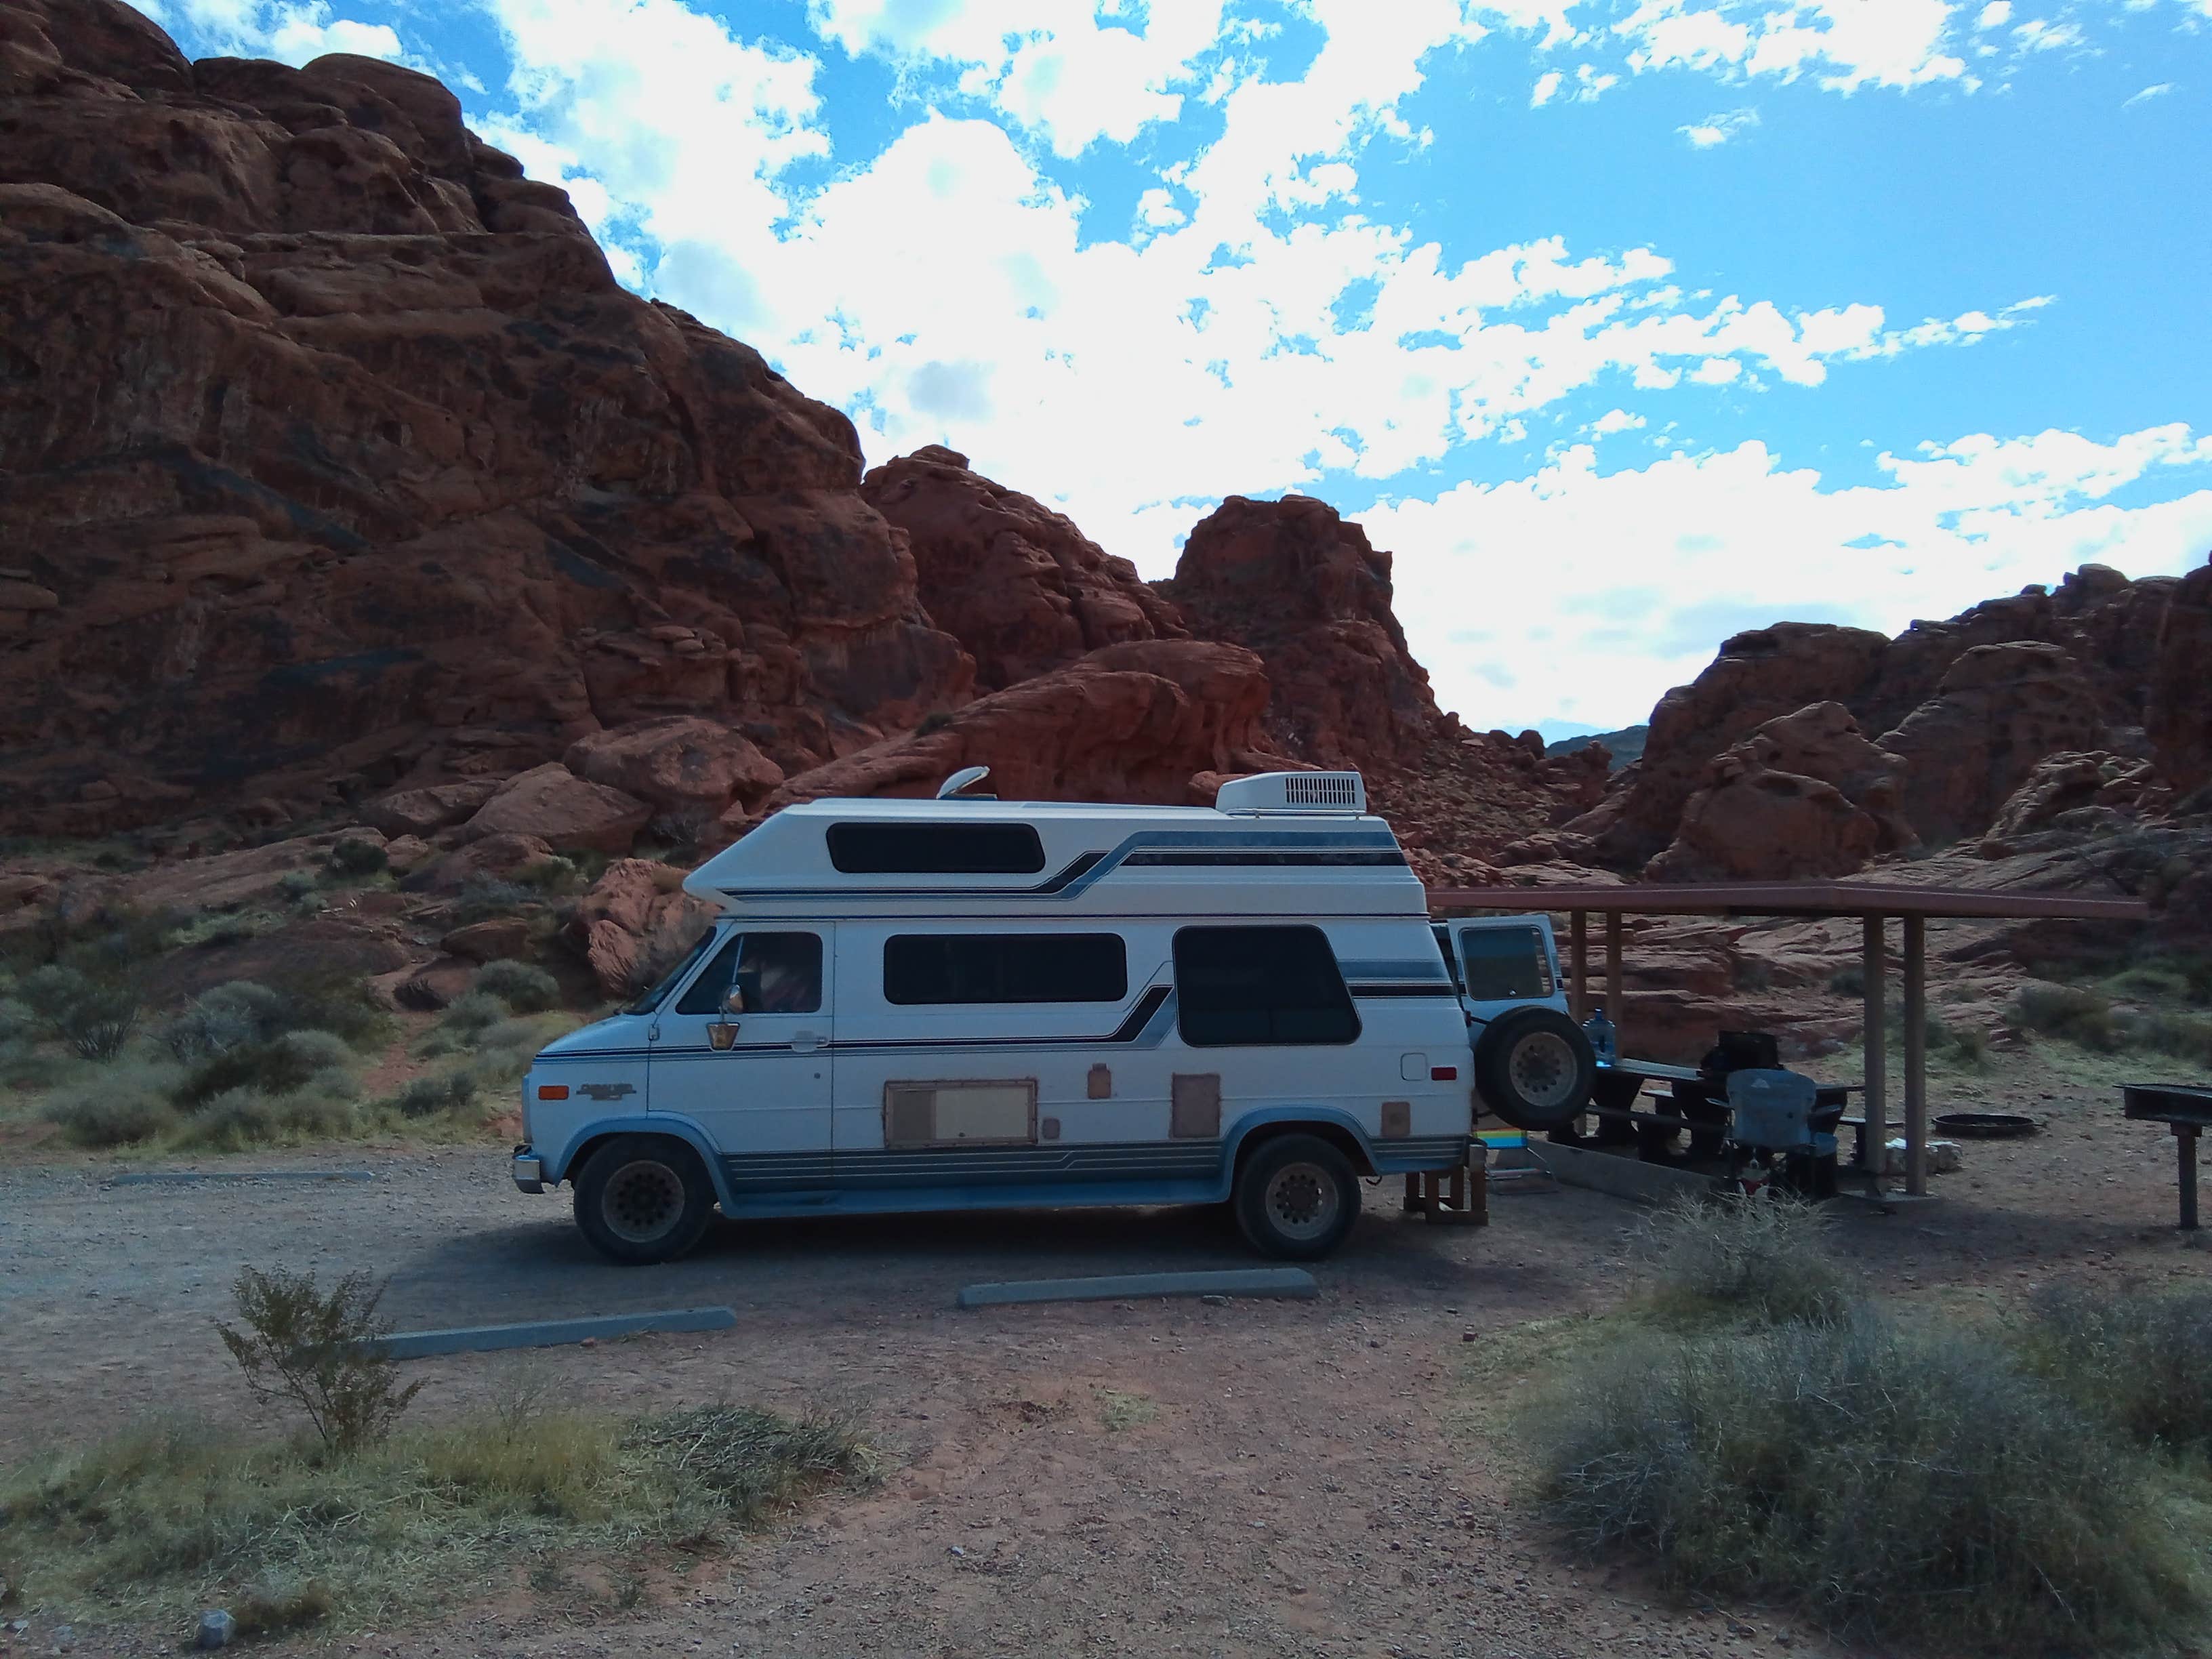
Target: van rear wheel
(1534,1068)
(1296,1198)
(644,1199)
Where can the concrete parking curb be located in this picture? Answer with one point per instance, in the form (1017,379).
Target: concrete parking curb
(1292,1282)
(180,1177)
(548,1333)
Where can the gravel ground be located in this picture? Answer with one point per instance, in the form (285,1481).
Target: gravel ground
(1319,1478)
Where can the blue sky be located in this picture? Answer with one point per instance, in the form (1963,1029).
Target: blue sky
(1624,324)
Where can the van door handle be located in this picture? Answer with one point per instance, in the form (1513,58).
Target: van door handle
(806,1040)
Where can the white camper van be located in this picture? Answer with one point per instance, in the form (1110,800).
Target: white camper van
(966,1003)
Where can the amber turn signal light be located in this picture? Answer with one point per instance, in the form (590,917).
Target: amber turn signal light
(552,1091)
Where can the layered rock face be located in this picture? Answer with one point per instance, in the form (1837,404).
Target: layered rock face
(1021,587)
(1963,710)
(337,460)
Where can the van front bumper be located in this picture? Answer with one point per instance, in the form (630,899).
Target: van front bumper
(528,1169)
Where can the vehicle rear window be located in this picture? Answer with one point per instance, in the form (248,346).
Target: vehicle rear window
(948,967)
(1241,985)
(1499,964)
(943,849)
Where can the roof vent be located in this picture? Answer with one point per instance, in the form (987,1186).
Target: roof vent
(960,783)
(1293,791)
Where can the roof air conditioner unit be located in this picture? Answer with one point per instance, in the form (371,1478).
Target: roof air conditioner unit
(1293,791)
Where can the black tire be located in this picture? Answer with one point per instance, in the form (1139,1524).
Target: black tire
(1296,1196)
(1535,1069)
(644,1199)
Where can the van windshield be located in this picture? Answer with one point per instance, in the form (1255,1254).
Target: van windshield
(652,998)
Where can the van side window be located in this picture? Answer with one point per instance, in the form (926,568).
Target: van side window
(1239,986)
(1504,963)
(944,849)
(947,967)
(781,972)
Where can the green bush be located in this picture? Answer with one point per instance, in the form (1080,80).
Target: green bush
(482,897)
(298,885)
(239,1119)
(2067,1011)
(2187,1036)
(1886,1484)
(525,988)
(227,1016)
(125,1105)
(93,1016)
(430,1096)
(1763,1261)
(1847,982)
(472,1013)
(315,1348)
(340,1002)
(2143,1359)
(278,1067)
(357,855)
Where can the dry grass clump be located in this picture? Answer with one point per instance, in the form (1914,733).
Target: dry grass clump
(1763,1261)
(171,1517)
(2141,1360)
(1886,1483)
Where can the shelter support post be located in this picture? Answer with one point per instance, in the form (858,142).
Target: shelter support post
(1578,936)
(1874,976)
(1916,1056)
(1614,1007)
(2185,1142)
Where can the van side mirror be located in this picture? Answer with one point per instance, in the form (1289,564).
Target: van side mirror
(744,990)
(735,1002)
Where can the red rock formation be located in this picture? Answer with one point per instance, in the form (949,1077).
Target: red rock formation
(332,437)
(1303,588)
(1804,795)
(679,763)
(1136,722)
(1017,584)
(2178,711)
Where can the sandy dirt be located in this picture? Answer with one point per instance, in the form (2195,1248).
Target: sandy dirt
(1318,1478)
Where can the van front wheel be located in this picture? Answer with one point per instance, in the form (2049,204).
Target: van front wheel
(642,1199)
(1296,1198)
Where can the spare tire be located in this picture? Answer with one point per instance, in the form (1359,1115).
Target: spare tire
(1535,1069)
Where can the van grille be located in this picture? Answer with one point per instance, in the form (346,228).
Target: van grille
(1322,789)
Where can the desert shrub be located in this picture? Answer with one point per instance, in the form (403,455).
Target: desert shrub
(357,855)
(2067,1011)
(935,720)
(523,987)
(340,1002)
(430,1095)
(745,1462)
(2184,1036)
(472,1013)
(114,942)
(1763,1260)
(1972,1045)
(227,1016)
(315,1348)
(240,1118)
(297,884)
(2141,1358)
(1847,982)
(93,1016)
(279,1067)
(553,874)
(124,1104)
(482,897)
(1886,1483)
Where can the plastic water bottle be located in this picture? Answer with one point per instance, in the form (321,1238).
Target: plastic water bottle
(1599,1030)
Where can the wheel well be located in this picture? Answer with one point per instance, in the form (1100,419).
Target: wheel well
(582,1154)
(1335,1133)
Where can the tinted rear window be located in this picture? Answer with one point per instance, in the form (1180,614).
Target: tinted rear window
(1504,963)
(942,968)
(943,849)
(1260,985)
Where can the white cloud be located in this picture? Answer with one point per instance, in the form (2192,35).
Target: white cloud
(1994,15)
(294,32)
(1615,420)
(1619,585)
(1547,88)
(1848,44)
(2147,93)
(1719,129)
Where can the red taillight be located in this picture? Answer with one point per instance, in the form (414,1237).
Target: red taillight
(552,1091)
(1443,1074)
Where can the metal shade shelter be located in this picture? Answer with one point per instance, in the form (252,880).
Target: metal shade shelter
(1872,903)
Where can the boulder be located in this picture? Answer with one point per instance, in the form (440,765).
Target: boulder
(435,985)
(494,941)
(569,814)
(1806,795)
(2066,783)
(635,923)
(497,857)
(1999,709)
(423,812)
(679,762)
(1021,587)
